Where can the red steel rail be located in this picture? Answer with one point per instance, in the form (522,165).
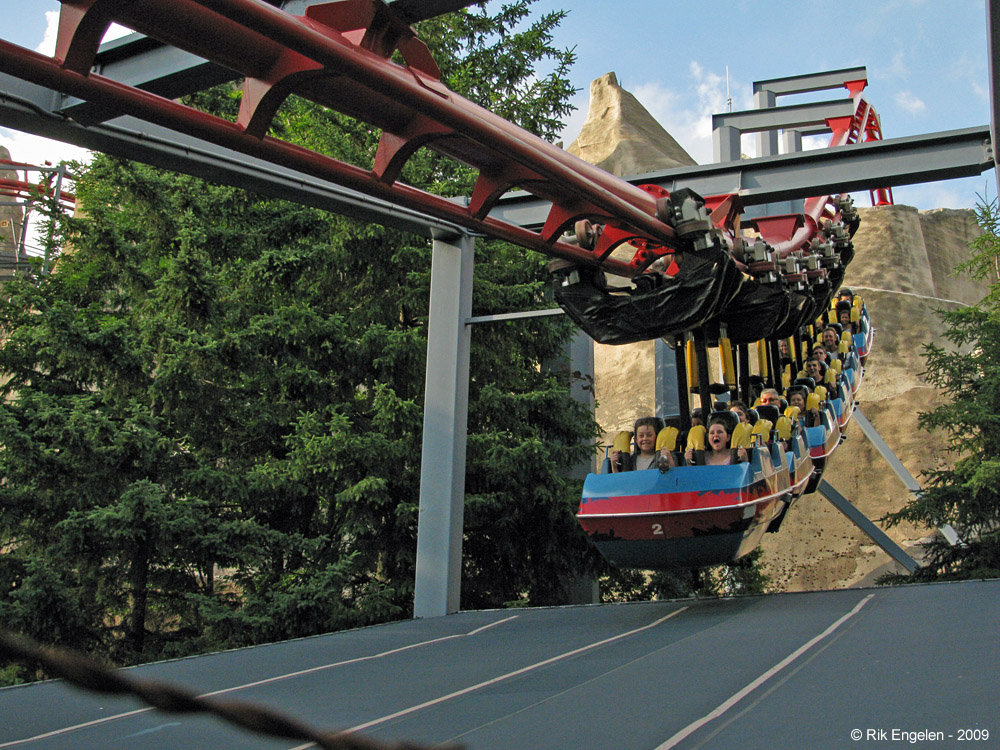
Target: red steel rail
(337,55)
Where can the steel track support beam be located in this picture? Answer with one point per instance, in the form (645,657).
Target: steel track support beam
(578,362)
(865,166)
(437,588)
(804,84)
(993,48)
(726,144)
(779,118)
(666,393)
(897,466)
(767,140)
(860,166)
(860,520)
(23,106)
(791,141)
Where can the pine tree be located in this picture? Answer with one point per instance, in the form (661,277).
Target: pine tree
(967,494)
(211,427)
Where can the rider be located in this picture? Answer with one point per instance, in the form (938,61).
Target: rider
(644,456)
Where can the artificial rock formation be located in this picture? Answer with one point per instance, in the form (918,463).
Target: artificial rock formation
(901,253)
(902,266)
(11,219)
(621,137)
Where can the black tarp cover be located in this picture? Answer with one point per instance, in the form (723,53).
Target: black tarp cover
(800,314)
(755,313)
(704,285)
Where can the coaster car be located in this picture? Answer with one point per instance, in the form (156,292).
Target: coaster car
(686,516)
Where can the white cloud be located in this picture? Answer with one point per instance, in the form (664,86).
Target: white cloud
(48,44)
(685,112)
(909,102)
(897,67)
(971,73)
(813,142)
(35,150)
(687,115)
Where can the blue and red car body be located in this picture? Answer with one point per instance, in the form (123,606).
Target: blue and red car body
(688,516)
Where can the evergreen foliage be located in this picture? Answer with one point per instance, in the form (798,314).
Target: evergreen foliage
(743,577)
(210,431)
(966,495)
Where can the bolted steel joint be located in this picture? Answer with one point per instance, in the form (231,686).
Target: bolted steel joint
(704,241)
(564,272)
(847,210)
(762,262)
(839,234)
(760,251)
(686,212)
(824,249)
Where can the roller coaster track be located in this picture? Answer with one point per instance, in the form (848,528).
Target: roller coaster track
(337,54)
(27,191)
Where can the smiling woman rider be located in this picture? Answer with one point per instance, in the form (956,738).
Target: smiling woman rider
(717,452)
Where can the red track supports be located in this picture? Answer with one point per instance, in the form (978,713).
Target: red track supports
(47,72)
(337,55)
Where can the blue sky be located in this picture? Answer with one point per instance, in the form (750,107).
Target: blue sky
(927,64)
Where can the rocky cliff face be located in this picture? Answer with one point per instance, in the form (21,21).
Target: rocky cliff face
(900,253)
(621,137)
(901,267)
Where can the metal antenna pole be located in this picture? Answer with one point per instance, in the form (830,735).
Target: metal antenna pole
(60,172)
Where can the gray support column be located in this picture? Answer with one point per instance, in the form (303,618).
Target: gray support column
(726,144)
(767,140)
(860,520)
(446,409)
(791,141)
(993,49)
(580,352)
(667,399)
(582,589)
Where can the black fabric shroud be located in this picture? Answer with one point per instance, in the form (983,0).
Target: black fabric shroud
(800,314)
(659,305)
(755,313)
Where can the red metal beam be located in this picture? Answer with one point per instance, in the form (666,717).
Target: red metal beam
(45,71)
(337,55)
(31,191)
